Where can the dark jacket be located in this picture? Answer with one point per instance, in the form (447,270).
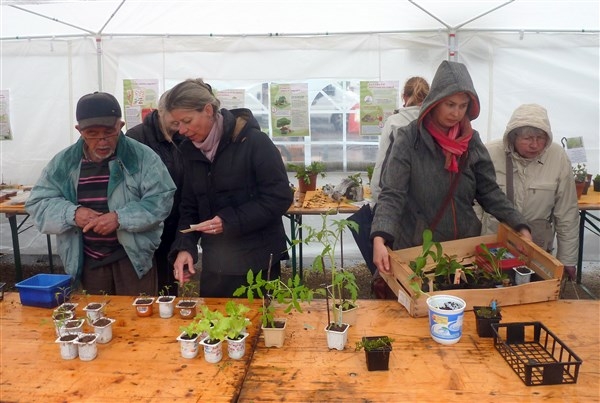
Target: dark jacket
(414,181)
(247,186)
(149,133)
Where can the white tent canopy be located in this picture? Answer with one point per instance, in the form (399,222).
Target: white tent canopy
(522,51)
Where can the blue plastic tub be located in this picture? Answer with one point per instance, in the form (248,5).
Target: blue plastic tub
(44,290)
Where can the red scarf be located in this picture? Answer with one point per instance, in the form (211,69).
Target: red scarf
(455,143)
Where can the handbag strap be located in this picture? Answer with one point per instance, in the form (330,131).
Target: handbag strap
(438,216)
(510,193)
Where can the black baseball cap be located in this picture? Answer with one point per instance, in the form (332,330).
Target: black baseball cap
(97,109)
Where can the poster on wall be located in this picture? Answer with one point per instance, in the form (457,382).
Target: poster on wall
(289,110)
(378,100)
(231,99)
(140,98)
(5,130)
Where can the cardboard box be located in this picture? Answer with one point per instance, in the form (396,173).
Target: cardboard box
(546,266)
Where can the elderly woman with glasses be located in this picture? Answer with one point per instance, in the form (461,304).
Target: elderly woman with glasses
(535,173)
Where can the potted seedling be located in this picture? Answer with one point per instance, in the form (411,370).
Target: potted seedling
(143,305)
(377,351)
(187,305)
(492,267)
(188,340)
(485,316)
(342,288)
(597,183)
(522,274)
(307,175)
(580,174)
(166,303)
(288,294)
(68,346)
(236,333)
(87,346)
(103,328)
(93,310)
(214,325)
(63,296)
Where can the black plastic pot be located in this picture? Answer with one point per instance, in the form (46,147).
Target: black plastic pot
(483,324)
(378,359)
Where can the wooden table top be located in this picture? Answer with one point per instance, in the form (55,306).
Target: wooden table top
(142,363)
(589,201)
(421,370)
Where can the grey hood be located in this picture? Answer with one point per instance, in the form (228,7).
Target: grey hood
(450,78)
(527,115)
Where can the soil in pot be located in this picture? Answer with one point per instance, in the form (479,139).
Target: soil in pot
(378,359)
(187,309)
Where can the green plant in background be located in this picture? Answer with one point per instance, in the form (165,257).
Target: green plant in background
(580,173)
(597,178)
(373,344)
(494,270)
(289,294)
(304,172)
(421,268)
(370,169)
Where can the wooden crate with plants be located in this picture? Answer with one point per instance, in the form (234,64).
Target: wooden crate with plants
(412,294)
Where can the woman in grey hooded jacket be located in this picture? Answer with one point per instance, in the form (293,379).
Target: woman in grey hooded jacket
(543,188)
(436,168)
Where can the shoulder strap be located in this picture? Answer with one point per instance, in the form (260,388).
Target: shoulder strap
(438,216)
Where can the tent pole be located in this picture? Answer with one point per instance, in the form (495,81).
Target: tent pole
(99,60)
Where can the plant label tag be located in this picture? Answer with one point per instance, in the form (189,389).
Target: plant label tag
(457,275)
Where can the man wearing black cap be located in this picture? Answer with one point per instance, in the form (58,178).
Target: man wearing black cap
(105,197)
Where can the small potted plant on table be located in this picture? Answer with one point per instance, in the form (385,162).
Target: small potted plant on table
(307,175)
(187,304)
(580,174)
(166,303)
(143,306)
(188,340)
(377,351)
(485,316)
(236,333)
(597,183)
(289,294)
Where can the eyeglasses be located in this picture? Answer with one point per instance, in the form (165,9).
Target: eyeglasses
(531,139)
(98,138)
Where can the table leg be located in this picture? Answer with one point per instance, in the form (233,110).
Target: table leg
(14,231)
(580,253)
(50,253)
(300,251)
(292,244)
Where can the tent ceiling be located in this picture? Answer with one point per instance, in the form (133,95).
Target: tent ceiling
(58,18)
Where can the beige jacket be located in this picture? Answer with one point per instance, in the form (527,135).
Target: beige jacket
(544,188)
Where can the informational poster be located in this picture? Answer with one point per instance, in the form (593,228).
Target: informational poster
(575,149)
(378,100)
(289,110)
(140,98)
(5,130)
(231,99)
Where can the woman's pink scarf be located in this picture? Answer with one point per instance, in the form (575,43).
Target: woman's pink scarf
(211,142)
(455,143)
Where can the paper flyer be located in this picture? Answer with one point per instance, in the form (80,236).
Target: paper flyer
(575,149)
(140,98)
(5,130)
(378,100)
(289,110)
(231,99)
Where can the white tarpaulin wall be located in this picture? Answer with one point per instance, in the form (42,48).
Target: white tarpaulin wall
(47,66)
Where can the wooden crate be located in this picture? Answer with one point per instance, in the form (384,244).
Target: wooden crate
(545,266)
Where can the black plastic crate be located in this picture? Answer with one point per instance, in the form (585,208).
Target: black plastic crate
(535,353)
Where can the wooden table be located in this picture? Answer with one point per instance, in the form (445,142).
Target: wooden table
(11,211)
(588,202)
(421,370)
(141,364)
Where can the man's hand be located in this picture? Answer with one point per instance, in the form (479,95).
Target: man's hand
(104,224)
(84,215)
